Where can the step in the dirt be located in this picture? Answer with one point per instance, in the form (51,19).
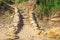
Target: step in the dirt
(23,13)
(32,22)
(34,25)
(25,19)
(26,23)
(31,19)
(25,16)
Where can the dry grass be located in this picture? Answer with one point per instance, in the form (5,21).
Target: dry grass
(54,33)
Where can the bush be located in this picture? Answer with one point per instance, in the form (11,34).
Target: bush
(46,6)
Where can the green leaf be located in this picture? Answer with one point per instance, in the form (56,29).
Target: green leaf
(19,1)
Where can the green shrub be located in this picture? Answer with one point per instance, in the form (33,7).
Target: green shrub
(46,6)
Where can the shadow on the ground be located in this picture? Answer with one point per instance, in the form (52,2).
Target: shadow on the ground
(21,23)
(36,21)
(5,8)
(34,17)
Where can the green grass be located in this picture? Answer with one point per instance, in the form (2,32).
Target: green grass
(19,1)
(46,6)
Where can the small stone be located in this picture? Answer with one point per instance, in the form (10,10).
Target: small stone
(10,34)
(35,24)
(35,28)
(15,24)
(32,22)
(11,16)
(30,18)
(38,32)
(42,33)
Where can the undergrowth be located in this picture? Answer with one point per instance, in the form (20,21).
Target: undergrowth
(46,6)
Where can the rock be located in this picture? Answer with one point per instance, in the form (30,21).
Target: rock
(1,26)
(54,33)
(32,22)
(38,32)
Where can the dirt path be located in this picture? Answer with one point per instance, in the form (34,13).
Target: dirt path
(25,32)
(3,33)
